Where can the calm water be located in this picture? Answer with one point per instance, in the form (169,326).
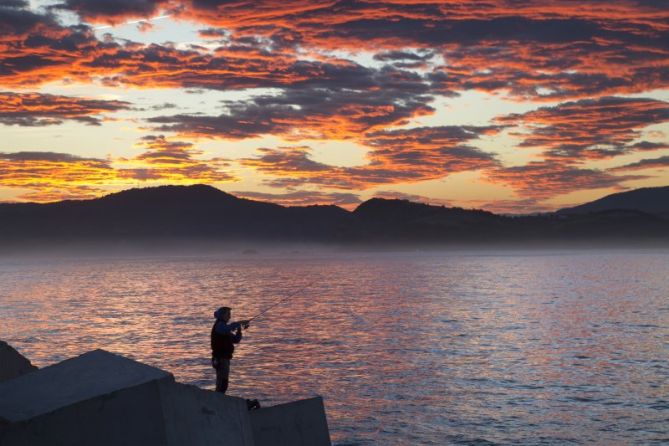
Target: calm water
(407,349)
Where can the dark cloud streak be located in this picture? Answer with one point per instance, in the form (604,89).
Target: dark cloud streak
(36,109)
(646,163)
(590,128)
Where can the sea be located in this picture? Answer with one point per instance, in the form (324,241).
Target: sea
(532,347)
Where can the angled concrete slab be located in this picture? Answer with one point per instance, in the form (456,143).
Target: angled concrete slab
(299,423)
(105,399)
(194,416)
(123,417)
(13,363)
(72,381)
(158,413)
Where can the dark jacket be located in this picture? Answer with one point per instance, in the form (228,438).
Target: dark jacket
(223,339)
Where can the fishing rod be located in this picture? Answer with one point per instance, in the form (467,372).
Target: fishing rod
(282,300)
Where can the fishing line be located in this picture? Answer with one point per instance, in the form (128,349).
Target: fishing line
(283,299)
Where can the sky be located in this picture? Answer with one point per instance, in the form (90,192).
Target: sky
(505,105)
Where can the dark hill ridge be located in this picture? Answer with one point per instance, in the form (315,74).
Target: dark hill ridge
(652,200)
(404,210)
(406,220)
(206,213)
(169,211)
(199,193)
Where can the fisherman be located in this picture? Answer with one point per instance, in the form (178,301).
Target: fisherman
(224,336)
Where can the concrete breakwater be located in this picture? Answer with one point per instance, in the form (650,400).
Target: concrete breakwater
(100,398)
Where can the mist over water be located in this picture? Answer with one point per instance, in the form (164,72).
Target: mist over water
(560,347)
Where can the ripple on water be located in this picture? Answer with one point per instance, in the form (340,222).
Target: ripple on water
(408,349)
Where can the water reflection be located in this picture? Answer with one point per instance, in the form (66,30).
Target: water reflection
(406,348)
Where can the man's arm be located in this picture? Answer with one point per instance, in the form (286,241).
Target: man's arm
(237,337)
(222,328)
(235,327)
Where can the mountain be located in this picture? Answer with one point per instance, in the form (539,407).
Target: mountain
(403,220)
(170,213)
(652,200)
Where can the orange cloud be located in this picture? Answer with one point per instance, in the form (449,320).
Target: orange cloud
(538,51)
(52,176)
(348,101)
(36,49)
(535,50)
(571,133)
(35,109)
(173,161)
(541,180)
(398,156)
(590,129)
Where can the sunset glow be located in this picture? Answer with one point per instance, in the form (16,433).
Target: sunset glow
(483,104)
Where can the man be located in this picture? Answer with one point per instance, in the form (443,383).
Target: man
(224,336)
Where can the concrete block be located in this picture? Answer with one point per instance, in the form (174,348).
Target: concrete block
(107,400)
(129,416)
(13,363)
(90,375)
(300,423)
(104,399)
(194,416)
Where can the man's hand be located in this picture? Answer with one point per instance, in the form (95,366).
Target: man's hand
(245,324)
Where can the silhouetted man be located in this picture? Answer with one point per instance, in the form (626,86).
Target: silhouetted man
(224,336)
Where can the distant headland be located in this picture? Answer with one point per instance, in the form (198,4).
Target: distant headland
(204,213)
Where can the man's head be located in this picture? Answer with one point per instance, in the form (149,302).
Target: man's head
(223,314)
